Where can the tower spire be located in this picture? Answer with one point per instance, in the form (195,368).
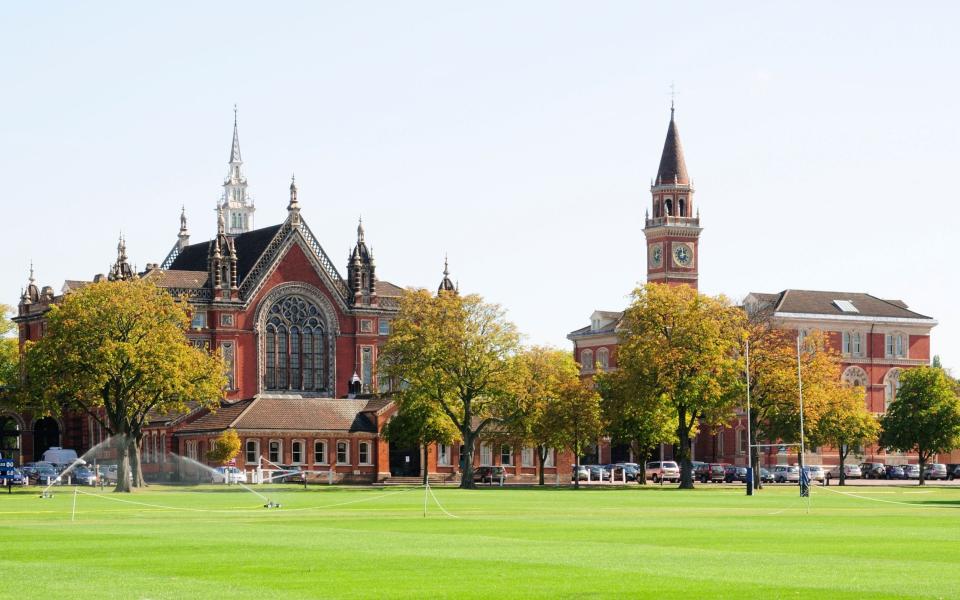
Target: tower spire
(446,285)
(673,167)
(236,201)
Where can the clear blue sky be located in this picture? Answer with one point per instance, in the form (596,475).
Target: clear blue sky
(519,137)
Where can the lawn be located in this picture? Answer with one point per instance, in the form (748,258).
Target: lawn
(713,542)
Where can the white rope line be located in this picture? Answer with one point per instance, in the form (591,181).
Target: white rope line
(287,510)
(789,506)
(149,505)
(885,501)
(445,511)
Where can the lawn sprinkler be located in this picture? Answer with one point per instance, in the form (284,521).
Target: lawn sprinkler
(271,504)
(46,494)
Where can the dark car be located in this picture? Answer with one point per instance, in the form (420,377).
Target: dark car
(45,475)
(289,474)
(895,472)
(765,475)
(598,473)
(83,476)
(620,471)
(489,475)
(711,472)
(732,473)
(873,470)
(953,471)
(632,469)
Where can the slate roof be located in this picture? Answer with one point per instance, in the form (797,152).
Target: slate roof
(178,279)
(249,246)
(219,420)
(822,303)
(610,327)
(671,161)
(306,414)
(388,290)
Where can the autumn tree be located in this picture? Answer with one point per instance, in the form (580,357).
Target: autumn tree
(9,360)
(225,448)
(420,423)
(845,423)
(681,346)
(924,417)
(117,351)
(635,415)
(547,377)
(453,353)
(575,420)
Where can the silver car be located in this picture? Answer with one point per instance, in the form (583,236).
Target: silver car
(911,471)
(935,471)
(668,471)
(815,472)
(786,474)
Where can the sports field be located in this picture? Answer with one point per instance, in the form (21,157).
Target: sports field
(713,542)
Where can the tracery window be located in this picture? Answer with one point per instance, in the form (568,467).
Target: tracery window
(295,339)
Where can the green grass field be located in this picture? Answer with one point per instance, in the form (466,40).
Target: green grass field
(713,542)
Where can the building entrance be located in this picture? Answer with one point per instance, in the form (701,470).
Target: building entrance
(405,462)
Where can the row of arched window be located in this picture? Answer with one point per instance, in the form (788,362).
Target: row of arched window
(588,363)
(668,208)
(856,376)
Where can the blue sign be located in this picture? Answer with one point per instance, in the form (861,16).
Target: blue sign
(6,463)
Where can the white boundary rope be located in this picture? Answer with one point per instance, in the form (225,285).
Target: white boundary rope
(885,501)
(445,511)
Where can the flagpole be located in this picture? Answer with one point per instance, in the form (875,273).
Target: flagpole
(802,447)
(749,438)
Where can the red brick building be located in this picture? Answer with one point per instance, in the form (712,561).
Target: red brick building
(878,338)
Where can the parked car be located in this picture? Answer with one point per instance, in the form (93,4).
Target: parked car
(289,474)
(231,475)
(953,471)
(873,470)
(489,474)
(619,472)
(711,472)
(815,472)
(732,473)
(849,472)
(30,469)
(45,475)
(786,474)
(935,471)
(694,465)
(581,473)
(598,473)
(766,476)
(83,476)
(110,474)
(895,472)
(911,471)
(632,469)
(665,471)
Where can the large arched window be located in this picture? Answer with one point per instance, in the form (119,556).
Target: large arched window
(603,358)
(294,343)
(586,360)
(855,376)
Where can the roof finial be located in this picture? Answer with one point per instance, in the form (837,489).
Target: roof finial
(32,280)
(673,96)
(235,146)
(360,230)
(183,218)
(221,224)
(446,267)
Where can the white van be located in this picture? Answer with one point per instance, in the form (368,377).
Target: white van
(60,456)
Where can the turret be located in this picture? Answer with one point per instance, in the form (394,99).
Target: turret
(446,285)
(361,271)
(236,202)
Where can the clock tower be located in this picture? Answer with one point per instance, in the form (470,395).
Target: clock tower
(673,229)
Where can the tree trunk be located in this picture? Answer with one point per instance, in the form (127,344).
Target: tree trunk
(683,436)
(754,453)
(843,459)
(542,455)
(641,460)
(922,460)
(136,469)
(466,476)
(123,466)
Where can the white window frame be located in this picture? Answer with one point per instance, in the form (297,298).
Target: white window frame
(198,320)
(279,460)
(891,385)
(256,451)
(741,441)
(549,462)
(486,454)
(443,455)
(508,453)
(326,455)
(303,451)
(528,457)
(362,446)
(346,444)
(586,360)
(603,358)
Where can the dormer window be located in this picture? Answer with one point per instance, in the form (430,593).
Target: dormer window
(845,306)
(595,324)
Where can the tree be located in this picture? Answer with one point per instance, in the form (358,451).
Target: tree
(924,417)
(118,351)
(9,360)
(575,419)
(774,388)
(225,448)
(635,416)
(454,354)
(846,423)
(547,376)
(681,346)
(419,423)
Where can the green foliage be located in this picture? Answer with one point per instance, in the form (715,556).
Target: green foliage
(681,346)
(925,415)
(418,423)
(845,423)
(117,351)
(9,353)
(225,448)
(453,354)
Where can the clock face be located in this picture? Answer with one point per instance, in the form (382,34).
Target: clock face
(682,255)
(656,255)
